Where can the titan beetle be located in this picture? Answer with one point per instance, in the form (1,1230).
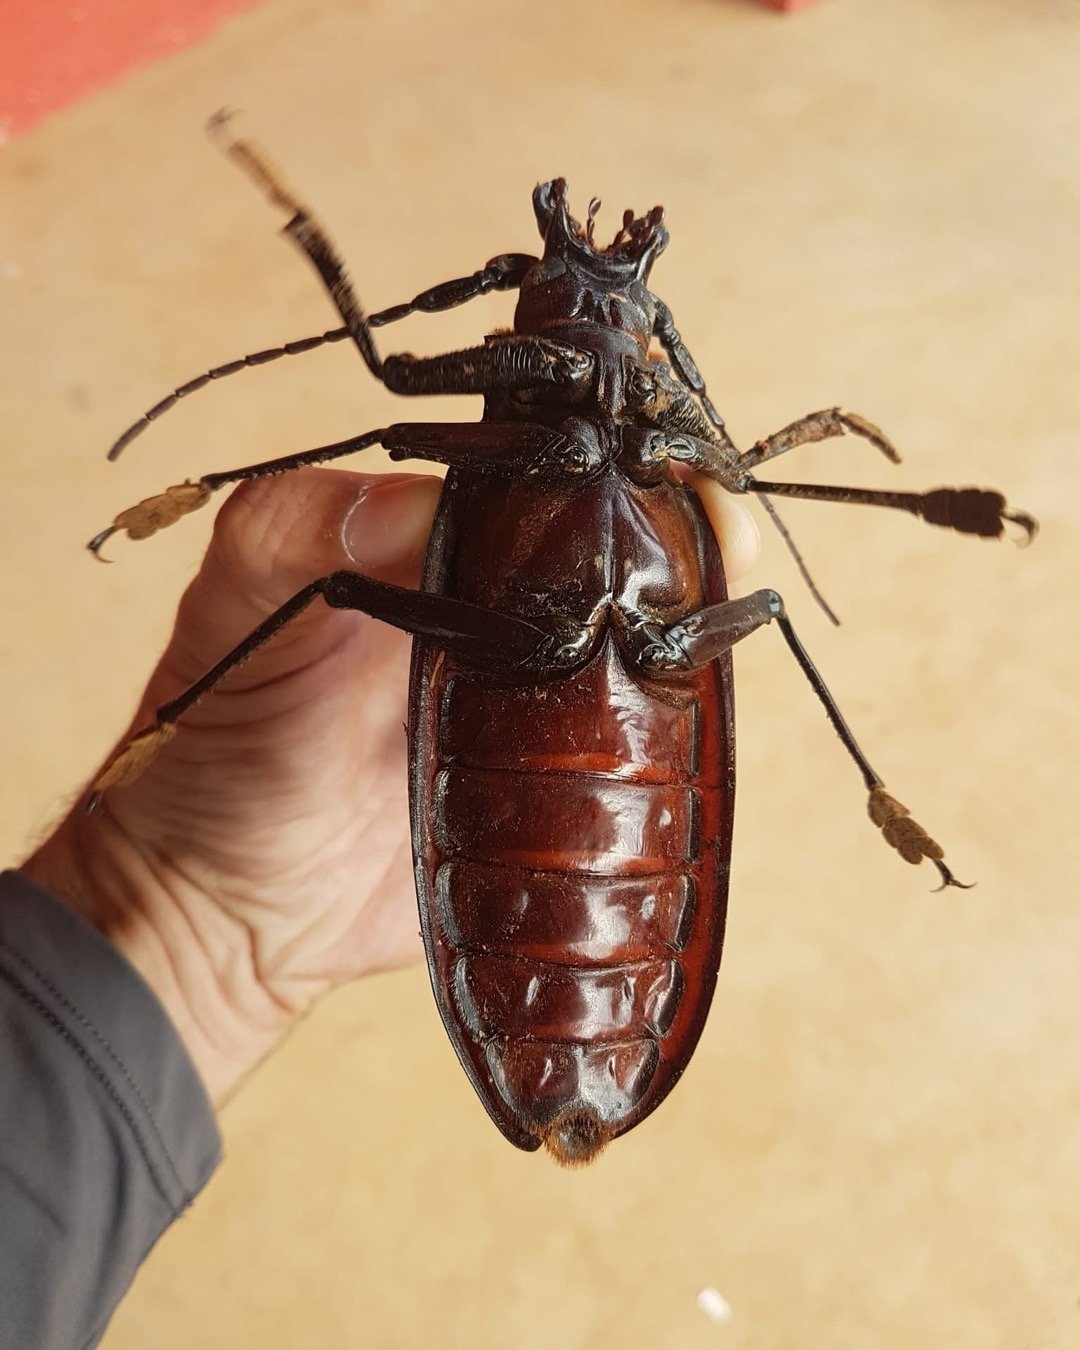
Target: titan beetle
(571,727)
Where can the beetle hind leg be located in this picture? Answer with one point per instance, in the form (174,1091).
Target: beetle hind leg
(907,836)
(485,636)
(706,635)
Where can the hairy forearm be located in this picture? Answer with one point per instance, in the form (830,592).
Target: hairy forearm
(197,959)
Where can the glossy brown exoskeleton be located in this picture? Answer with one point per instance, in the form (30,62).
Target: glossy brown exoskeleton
(571,733)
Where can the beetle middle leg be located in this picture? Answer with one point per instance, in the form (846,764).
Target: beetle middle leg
(485,637)
(519,448)
(702,637)
(968,510)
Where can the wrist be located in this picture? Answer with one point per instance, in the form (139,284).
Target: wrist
(198,960)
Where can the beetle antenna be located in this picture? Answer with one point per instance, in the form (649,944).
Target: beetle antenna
(229,368)
(803,570)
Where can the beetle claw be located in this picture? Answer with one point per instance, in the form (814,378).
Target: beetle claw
(95,544)
(947,879)
(1027,523)
(860,426)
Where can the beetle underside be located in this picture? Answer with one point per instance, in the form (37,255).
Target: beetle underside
(571,729)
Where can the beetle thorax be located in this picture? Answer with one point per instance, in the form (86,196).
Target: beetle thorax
(558,294)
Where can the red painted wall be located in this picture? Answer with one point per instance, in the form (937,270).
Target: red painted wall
(54,51)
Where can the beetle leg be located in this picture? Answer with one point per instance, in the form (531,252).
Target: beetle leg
(815,426)
(499,366)
(513,363)
(155,513)
(654,396)
(682,362)
(519,448)
(719,460)
(484,636)
(704,636)
(502,273)
(517,362)
(818,426)
(968,510)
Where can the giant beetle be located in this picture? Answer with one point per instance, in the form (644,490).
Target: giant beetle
(571,726)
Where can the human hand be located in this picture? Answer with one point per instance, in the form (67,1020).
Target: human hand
(264,857)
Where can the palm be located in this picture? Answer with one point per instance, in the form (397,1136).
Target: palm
(292,814)
(283,801)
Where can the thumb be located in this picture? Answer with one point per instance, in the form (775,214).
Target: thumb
(272,537)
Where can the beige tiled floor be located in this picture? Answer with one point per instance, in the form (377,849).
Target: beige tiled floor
(878,1142)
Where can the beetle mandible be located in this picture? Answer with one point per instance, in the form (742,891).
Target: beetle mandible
(571,726)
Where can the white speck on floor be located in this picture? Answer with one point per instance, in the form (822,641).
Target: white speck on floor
(714,1305)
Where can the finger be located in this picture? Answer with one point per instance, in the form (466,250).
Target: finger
(735,528)
(275,536)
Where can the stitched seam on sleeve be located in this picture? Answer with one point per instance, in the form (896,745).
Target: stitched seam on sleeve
(103,1078)
(88,1026)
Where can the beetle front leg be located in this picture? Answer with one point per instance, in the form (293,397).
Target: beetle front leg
(682,362)
(815,426)
(512,363)
(483,636)
(710,632)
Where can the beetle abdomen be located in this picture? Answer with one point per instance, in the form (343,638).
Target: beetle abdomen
(558,974)
(563,902)
(571,834)
(562,822)
(564,859)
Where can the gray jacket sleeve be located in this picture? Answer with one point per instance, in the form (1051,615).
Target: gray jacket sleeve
(106,1132)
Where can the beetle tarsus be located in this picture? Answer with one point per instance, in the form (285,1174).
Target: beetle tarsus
(973,510)
(154,513)
(860,426)
(136,755)
(253,162)
(907,836)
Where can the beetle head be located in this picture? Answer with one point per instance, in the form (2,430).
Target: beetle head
(628,258)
